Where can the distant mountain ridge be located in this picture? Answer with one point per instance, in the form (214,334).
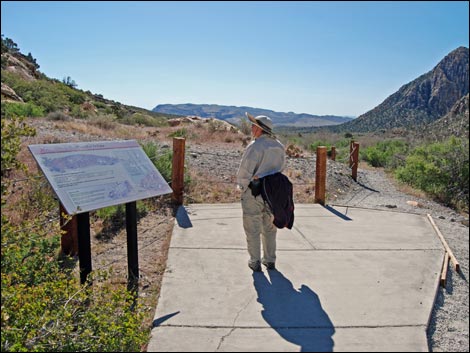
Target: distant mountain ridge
(234,114)
(422,101)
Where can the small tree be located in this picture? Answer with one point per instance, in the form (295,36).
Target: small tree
(9,46)
(69,82)
(32,60)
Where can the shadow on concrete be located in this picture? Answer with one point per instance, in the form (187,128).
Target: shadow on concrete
(161,320)
(296,315)
(337,213)
(182,218)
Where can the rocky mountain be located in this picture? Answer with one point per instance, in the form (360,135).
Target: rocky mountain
(454,123)
(234,114)
(422,101)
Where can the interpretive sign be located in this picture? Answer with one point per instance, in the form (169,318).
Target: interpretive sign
(87,176)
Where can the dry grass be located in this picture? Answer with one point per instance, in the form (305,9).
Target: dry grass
(205,188)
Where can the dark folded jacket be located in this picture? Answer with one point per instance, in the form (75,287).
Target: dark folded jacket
(277,193)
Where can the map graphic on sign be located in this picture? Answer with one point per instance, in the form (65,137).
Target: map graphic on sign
(87,176)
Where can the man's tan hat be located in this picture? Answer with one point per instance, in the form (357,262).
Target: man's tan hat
(262,121)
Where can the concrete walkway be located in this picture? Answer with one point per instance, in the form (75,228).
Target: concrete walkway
(347,279)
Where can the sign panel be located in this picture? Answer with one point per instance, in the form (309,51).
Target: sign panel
(87,176)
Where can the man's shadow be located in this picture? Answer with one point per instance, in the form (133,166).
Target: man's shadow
(296,315)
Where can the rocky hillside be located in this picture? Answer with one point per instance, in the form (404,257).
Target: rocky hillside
(422,101)
(234,114)
(454,123)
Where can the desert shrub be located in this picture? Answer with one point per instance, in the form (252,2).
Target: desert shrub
(22,109)
(163,161)
(58,115)
(387,153)
(13,128)
(142,119)
(313,146)
(46,309)
(441,170)
(106,122)
(183,132)
(78,112)
(114,218)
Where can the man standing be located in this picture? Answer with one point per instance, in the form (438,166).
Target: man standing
(264,156)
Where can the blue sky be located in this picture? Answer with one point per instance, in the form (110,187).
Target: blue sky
(339,58)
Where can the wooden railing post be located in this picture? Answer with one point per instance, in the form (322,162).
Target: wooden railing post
(69,238)
(351,148)
(333,153)
(320,175)
(177,173)
(355,159)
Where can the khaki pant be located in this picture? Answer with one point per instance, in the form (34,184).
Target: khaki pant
(258,219)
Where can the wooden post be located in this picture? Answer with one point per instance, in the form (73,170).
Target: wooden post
(333,153)
(320,175)
(177,173)
(355,159)
(445,267)
(132,251)
(69,238)
(351,148)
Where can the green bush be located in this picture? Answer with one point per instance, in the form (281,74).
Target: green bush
(313,146)
(13,128)
(143,119)
(22,109)
(45,309)
(163,161)
(440,169)
(114,218)
(385,153)
(183,132)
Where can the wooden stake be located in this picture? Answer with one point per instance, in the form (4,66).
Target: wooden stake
(355,158)
(333,153)
(444,270)
(451,254)
(320,175)
(177,183)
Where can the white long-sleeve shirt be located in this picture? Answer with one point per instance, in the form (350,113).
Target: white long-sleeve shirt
(263,156)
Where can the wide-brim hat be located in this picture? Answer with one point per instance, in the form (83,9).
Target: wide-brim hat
(262,121)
